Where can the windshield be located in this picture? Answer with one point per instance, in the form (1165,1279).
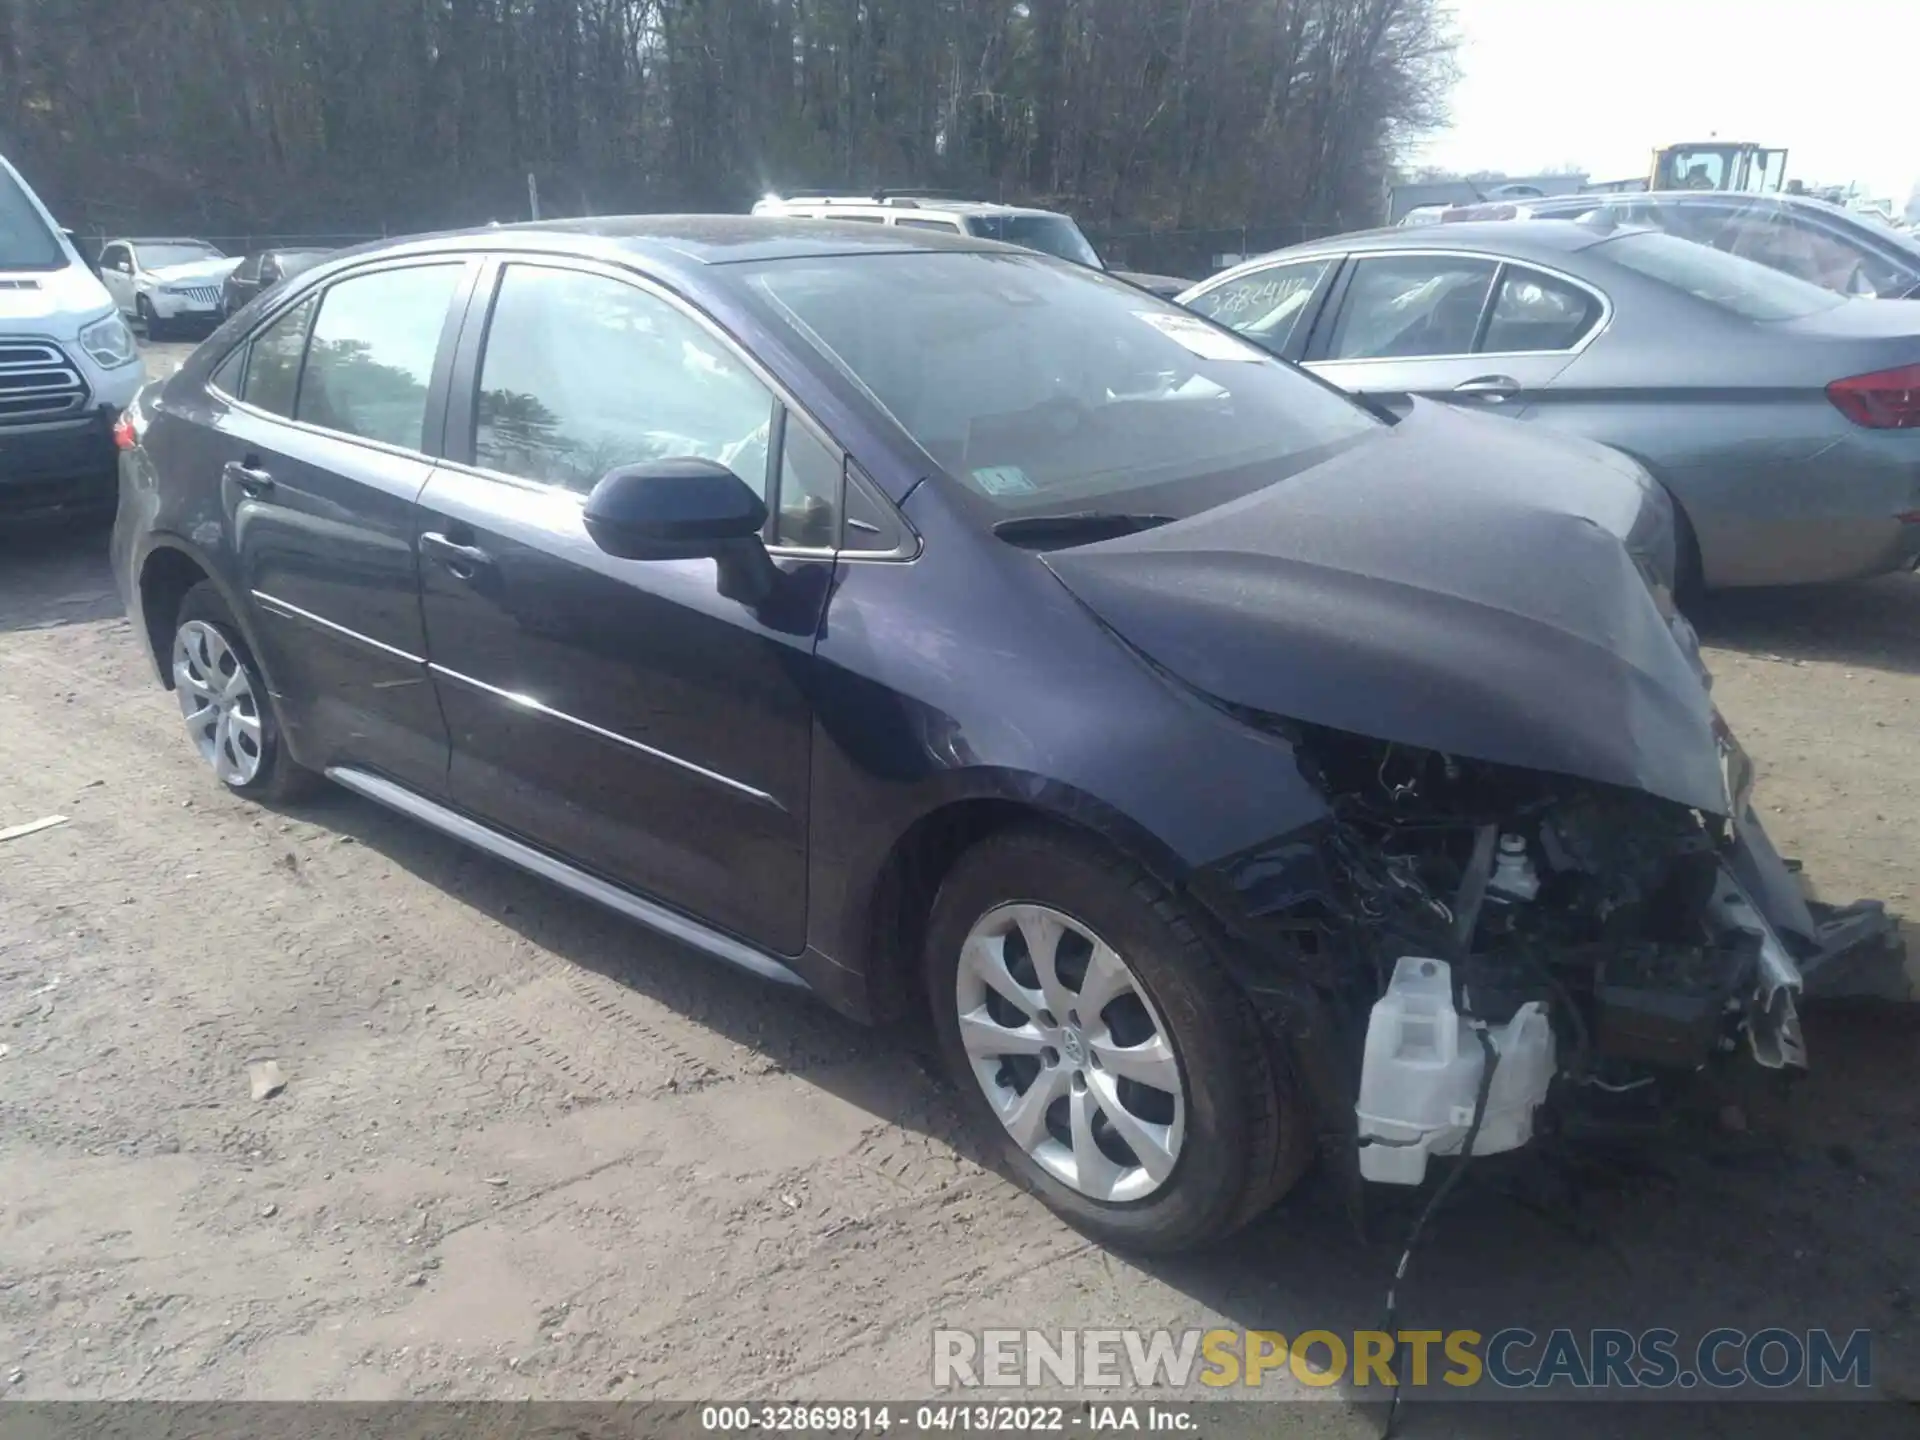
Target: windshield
(1049,234)
(1734,284)
(159,256)
(25,241)
(1045,389)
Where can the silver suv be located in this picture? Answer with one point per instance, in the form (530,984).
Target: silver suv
(1044,230)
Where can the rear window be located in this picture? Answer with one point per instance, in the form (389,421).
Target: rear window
(1049,234)
(1733,284)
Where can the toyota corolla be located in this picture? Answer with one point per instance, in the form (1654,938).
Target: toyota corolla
(1234,773)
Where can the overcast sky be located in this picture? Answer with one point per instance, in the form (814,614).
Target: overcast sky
(1603,82)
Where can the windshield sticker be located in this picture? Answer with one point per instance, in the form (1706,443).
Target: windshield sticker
(1192,333)
(1003,480)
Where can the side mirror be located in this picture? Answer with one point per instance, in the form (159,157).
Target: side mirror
(682,509)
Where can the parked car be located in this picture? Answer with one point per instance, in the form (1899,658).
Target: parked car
(1783,419)
(1838,249)
(1047,231)
(165,284)
(68,364)
(261,271)
(919,620)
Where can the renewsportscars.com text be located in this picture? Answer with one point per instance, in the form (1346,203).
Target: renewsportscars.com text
(1773,1358)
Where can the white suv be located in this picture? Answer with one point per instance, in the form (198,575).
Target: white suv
(68,366)
(1044,230)
(166,283)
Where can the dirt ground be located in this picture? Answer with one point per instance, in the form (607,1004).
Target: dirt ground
(527,1150)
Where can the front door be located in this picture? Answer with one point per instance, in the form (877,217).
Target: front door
(324,457)
(116,273)
(623,714)
(1467,329)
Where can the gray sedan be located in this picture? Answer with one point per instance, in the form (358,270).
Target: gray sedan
(1783,419)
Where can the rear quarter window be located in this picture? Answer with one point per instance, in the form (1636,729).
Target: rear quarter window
(1738,286)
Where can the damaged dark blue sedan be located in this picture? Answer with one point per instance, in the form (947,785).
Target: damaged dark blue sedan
(1232,772)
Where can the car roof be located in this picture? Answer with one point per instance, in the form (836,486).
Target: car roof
(701,239)
(1544,237)
(161,240)
(897,203)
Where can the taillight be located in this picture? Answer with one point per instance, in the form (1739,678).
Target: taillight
(1885,400)
(123,436)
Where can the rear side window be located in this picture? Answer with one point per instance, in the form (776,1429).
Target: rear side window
(273,369)
(1411,306)
(1738,286)
(371,359)
(585,373)
(1537,312)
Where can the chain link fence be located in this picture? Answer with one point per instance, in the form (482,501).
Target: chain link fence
(1197,253)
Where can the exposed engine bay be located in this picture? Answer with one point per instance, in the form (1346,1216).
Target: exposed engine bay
(1598,936)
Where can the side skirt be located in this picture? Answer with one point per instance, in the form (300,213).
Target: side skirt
(658,918)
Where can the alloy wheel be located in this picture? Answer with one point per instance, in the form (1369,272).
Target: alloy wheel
(217,700)
(1070,1052)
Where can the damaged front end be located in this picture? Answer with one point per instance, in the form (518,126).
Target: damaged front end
(1533,842)
(1603,937)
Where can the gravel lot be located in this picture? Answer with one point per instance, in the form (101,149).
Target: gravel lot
(525,1149)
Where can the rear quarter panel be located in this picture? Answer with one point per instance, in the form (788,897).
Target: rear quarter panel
(1732,417)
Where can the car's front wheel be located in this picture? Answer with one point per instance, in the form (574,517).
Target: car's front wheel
(155,327)
(1095,1038)
(224,700)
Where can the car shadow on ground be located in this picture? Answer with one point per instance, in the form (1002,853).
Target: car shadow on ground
(1756,1208)
(1874,624)
(56,574)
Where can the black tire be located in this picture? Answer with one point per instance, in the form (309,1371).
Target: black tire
(1248,1134)
(155,327)
(280,779)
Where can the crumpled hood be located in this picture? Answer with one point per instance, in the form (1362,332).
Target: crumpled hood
(51,302)
(217,268)
(1459,583)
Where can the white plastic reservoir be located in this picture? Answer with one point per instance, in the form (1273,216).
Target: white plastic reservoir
(1422,1073)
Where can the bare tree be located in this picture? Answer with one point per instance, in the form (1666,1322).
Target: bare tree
(350,115)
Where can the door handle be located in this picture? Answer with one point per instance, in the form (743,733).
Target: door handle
(1491,388)
(462,561)
(250,478)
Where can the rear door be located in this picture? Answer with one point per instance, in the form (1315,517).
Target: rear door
(625,714)
(1466,328)
(325,449)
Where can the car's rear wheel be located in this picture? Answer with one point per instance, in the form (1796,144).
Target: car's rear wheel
(225,702)
(1098,1043)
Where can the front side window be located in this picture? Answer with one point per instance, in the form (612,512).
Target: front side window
(114,257)
(1042,387)
(1739,286)
(585,373)
(372,355)
(25,241)
(1267,304)
(1537,312)
(1410,306)
(273,366)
